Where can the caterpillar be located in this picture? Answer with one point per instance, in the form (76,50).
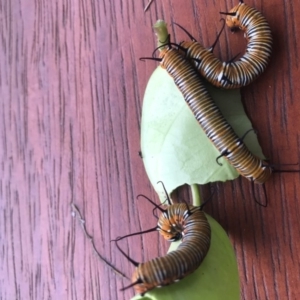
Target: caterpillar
(235,74)
(210,118)
(176,222)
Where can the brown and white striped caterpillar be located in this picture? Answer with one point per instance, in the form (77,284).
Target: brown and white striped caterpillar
(235,74)
(176,222)
(208,115)
(210,118)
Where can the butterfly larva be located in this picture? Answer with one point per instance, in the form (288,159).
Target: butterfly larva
(235,74)
(210,118)
(177,222)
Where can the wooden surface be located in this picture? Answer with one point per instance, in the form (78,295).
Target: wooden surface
(71,95)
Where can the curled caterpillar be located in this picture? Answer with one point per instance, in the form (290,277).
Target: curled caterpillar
(235,74)
(177,222)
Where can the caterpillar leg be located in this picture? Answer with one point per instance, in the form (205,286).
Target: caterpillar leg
(265,204)
(227,152)
(212,47)
(224,153)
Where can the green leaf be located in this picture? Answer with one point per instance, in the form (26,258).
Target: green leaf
(216,278)
(174,148)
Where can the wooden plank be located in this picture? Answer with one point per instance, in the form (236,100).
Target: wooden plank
(71,90)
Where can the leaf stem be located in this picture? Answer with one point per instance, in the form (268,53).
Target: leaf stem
(161,31)
(196,195)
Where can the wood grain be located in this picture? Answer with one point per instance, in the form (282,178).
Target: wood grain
(71,91)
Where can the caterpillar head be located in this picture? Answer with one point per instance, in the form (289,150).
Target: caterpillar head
(171,223)
(233,18)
